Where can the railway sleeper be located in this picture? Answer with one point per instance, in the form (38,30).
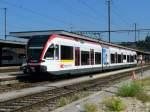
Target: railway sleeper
(40,97)
(11,107)
(5,110)
(21,103)
(7,107)
(33,100)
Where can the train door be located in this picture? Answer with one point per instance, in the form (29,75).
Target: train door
(52,57)
(92,56)
(77,56)
(105,58)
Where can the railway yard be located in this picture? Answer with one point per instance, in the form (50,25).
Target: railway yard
(66,72)
(74,56)
(46,95)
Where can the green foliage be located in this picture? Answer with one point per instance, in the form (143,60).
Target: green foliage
(141,45)
(131,90)
(65,100)
(147,39)
(76,97)
(114,104)
(79,95)
(90,108)
(62,101)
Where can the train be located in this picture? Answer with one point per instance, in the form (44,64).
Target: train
(58,53)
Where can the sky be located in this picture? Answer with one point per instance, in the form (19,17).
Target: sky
(76,15)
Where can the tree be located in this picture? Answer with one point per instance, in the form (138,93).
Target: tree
(147,39)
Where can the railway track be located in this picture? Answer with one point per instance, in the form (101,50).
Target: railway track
(52,95)
(20,85)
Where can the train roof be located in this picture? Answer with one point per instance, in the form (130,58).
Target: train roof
(29,34)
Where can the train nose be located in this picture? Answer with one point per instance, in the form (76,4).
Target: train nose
(37,68)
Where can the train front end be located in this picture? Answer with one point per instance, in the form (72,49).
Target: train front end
(34,50)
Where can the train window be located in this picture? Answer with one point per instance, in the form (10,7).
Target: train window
(135,57)
(132,58)
(119,58)
(92,56)
(84,58)
(57,52)
(77,56)
(112,58)
(50,53)
(124,57)
(97,58)
(128,58)
(116,57)
(66,52)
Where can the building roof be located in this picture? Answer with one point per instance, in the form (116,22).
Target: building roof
(12,42)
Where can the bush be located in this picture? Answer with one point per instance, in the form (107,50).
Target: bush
(90,108)
(76,97)
(79,95)
(131,90)
(114,104)
(62,101)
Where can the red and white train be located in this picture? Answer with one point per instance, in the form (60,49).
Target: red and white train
(60,52)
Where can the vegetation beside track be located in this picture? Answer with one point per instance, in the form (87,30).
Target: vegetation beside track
(129,97)
(76,96)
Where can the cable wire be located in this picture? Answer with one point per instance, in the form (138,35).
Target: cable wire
(35,12)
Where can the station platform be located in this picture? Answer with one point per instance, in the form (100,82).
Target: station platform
(10,75)
(28,91)
(9,69)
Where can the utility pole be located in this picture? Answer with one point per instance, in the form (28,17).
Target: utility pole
(135,31)
(138,36)
(109,18)
(5,22)
(5,19)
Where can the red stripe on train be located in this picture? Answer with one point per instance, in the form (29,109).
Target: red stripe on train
(46,45)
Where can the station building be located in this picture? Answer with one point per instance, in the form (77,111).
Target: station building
(11,52)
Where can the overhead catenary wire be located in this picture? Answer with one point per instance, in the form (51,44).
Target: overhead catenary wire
(88,6)
(36,13)
(75,12)
(83,2)
(114,11)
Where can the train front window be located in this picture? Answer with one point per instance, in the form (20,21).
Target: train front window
(50,53)
(34,54)
(35,46)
